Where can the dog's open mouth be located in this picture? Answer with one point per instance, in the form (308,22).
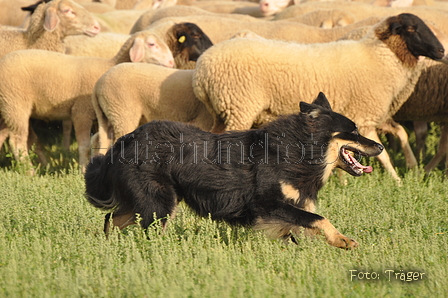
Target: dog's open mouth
(350,160)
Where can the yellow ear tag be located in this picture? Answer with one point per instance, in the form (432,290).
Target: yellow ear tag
(181,39)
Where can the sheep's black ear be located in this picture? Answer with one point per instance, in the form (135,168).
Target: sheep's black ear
(321,100)
(395,27)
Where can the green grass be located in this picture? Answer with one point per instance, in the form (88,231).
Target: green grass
(52,244)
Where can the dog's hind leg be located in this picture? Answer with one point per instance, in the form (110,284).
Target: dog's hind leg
(281,219)
(118,220)
(159,202)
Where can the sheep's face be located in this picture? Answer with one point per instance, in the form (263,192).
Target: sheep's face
(272,7)
(151,49)
(72,18)
(418,37)
(191,41)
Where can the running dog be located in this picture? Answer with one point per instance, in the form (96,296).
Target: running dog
(266,178)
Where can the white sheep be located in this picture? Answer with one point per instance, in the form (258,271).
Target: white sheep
(232,7)
(244,80)
(219,29)
(10,12)
(104,45)
(49,25)
(118,21)
(131,94)
(361,11)
(271,7)
(325,18)
(184,49)
(152,16)
(55,86)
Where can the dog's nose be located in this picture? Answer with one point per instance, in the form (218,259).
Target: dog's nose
(380,147)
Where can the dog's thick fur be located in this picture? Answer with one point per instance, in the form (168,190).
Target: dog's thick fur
(267,178)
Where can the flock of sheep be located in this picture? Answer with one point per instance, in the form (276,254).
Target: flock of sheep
(220,65)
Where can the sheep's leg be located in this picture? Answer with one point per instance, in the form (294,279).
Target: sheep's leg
(384,158)
(33,140)
(103,139)
(4,132)
(66,134)
(126,123)
(421,132)
(82,133)
(18,140)
(442,150)
(398,131)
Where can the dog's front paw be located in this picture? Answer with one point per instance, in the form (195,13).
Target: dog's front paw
(342,241)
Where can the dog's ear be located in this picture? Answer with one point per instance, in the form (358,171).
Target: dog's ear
(310,109)
(321,100)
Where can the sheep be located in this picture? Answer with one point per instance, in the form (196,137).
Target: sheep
(245,82)
(232,7)
(185,49)
(131,94)
(219,29)
(361,11)
(152,16)
(271,7)
(185,40)
(153,4)
(415,107)
(10,12)
(325,18)
(75,77)
(118,21)
(105,44)
(429,102)
(49,25)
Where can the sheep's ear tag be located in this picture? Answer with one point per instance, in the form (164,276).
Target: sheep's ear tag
(182,39)
(137,51)
(51,19)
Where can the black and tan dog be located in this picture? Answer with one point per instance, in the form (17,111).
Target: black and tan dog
(267,178)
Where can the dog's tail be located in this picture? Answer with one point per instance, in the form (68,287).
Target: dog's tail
(99,191)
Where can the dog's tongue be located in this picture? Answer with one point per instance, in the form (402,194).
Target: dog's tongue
(365,169)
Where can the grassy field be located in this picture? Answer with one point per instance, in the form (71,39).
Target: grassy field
(52,244)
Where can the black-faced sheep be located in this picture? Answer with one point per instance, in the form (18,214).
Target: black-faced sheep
(131,94)
(55,86)
(49,24)
(429,102)
(242,81)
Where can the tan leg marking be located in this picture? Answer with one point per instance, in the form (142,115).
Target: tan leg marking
(331,159)
(290,192)
(333,236)
(121,221)
(310,206)
(274,229)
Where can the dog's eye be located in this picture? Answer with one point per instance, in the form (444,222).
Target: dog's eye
(355,132)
